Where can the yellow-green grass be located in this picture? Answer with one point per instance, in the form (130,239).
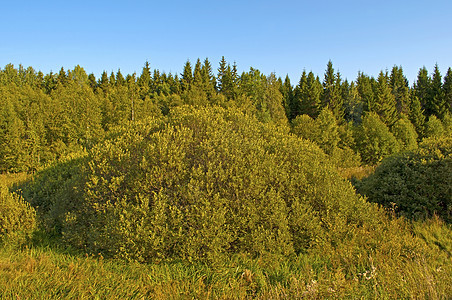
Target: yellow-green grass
(42,272)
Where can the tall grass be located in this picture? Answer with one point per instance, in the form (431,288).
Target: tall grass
(421,271)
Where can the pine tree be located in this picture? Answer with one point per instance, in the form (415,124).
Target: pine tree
(187,77)
(385,105)
(92,82)
(299,94)
(311,96)
(208,79)
(365,91)
(145,81)
(112,79)
(221,73)
(288,95)
(62,77)
(208,76)
(104,82)
(332,97)
(120,81)
(447,89)
(422,87)
(436,104)
(400,90)
(197,75)
(416,115)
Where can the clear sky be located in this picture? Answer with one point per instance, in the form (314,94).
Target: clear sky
(281,36)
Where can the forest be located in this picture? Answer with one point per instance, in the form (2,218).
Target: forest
(215,184)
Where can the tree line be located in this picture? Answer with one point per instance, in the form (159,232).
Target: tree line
(45,117)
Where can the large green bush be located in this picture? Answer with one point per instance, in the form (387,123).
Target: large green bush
(200,184)
(418,184)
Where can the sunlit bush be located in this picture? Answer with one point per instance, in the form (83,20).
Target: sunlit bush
(17,218)
(204,183)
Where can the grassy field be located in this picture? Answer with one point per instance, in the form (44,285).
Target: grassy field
(43,271)
(420,267)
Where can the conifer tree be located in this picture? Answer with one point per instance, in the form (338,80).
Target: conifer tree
(447,89)
(436,104)
(207,75)
(62,77)
(353,107)
(187,77)
(197,75)
(104,82)
(92,82)
(400,90)
(365,91)
(112,79)
(145,81)
(332,97)
(296,107)
(288,95)
(221,73)
(385,105)
(416,115)
(422,87)
(311,95)
(120,81)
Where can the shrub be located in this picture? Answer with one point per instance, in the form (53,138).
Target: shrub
(17,218)
(434,127)
(405,133)
(373,139)
(417,183)
(56,190)
(203,183)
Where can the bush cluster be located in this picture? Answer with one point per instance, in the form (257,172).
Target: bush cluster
(417,183)
(204,183)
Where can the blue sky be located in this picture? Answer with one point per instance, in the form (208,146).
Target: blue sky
(284,37)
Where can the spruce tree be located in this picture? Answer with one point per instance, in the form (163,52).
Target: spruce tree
(416,115)
(120,81)
(92,82)
(221,73)
(208,78)
(299,92)
(112,79)
(447,89)
(332,97)
(311,96)
(422,87)
(104,82)
(385,105)
(197,74)
(145,81)
(436,104)
(288,95)
(400,90)
(365,91)
(62,77)
(187,77)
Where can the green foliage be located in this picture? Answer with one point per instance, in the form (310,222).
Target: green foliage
(385,102)
(17,218)
(434,127)
(373,139)
(404,131)
(417,183)
(56,191)
(391,263)
(206,183)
